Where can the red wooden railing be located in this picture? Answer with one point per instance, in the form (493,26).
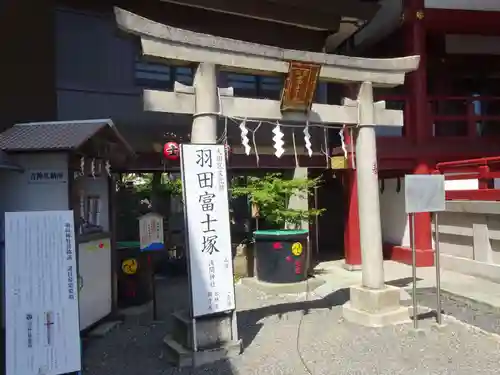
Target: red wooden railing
(483,169)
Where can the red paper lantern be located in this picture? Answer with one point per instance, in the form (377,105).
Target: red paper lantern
(171,151)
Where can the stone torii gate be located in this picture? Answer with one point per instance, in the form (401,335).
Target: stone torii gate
(373,303)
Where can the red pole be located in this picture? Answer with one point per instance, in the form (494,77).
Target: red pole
(352,243)
(420,128)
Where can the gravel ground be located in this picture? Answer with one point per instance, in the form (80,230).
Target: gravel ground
(269,327)
(467,311)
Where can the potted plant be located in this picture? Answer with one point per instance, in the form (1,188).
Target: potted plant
(281,253)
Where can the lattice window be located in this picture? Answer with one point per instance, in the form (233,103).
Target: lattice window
(152,76)
(156,76)
(93,210)
(90,211)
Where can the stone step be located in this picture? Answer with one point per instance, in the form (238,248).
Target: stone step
(181,356)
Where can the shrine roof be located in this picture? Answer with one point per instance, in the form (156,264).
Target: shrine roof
(56,136)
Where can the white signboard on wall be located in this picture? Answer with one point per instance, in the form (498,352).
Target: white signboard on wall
(47,176)
(204,181)
(41,294)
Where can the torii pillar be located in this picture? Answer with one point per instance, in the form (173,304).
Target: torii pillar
(373,303)
(204,129)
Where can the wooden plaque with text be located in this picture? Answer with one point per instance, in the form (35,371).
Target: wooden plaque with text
(300,86)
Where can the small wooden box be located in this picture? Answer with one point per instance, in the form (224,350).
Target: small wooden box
(339,162)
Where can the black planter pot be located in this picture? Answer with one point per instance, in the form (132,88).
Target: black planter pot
(281,255)
(134,287)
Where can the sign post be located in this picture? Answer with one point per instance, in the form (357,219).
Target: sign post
(41,294)
(206,200)
(151,239)
(424,193)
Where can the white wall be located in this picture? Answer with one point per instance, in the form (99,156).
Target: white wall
(484,5)
(450,185)
(470,238)
(395,223)
(395,229)
(94,264)
(19,195)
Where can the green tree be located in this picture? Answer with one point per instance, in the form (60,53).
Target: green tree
(271,194)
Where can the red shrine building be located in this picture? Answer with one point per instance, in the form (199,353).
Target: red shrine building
(451,104)
(66,60)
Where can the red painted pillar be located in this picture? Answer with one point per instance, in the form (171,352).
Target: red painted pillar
(419,128)
(352,245)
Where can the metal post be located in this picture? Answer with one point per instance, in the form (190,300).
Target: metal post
(368,192)
(194,336)
(234,326)
(438,270)
(414,271)
(316,221)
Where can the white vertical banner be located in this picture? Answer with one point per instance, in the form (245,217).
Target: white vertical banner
(206,200)
(41,294)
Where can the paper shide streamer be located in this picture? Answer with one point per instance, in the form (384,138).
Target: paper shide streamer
(307,140)
(82,165)
(107,167)
(244,137)
(278,141)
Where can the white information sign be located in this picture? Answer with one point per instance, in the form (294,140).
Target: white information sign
(151,232)
(424,193)
(41,294)
(204,180)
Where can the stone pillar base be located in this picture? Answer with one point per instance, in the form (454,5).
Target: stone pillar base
(213,338)
(375,308)
(351,267)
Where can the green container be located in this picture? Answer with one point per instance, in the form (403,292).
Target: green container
(281,256)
